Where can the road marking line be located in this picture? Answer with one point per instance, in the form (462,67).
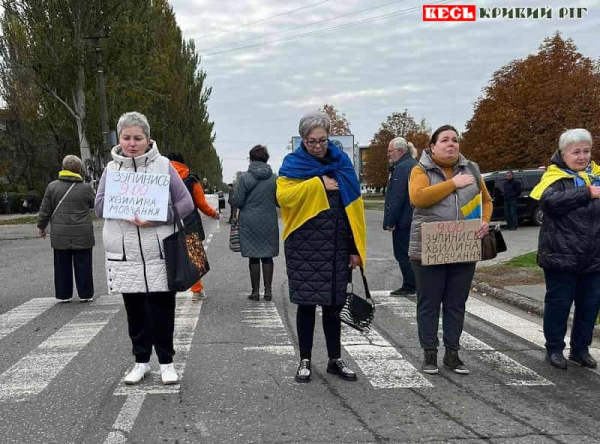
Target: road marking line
(528,330)
(187,313)
(126,419)
(381,363)
(265,316)
(34,372)
(517,373)
(24,313)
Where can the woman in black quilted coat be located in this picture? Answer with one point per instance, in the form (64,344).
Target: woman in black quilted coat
(319,244)
(569,247)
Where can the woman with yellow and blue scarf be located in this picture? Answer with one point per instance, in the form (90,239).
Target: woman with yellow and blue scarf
(324,237)
(569,247)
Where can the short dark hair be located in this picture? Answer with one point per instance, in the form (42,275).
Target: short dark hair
(259,153)
(436,133)
(177,157)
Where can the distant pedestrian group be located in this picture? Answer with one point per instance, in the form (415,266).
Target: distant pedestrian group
(317,194)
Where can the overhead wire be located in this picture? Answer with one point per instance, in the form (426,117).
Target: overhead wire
(245,25)
(325,30)
(359,11)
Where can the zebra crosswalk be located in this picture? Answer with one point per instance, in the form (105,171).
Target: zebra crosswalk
(376,355)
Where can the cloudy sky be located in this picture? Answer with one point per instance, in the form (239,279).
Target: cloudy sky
(270,61)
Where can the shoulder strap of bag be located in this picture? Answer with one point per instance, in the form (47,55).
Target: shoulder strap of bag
(364,279)
(62,199)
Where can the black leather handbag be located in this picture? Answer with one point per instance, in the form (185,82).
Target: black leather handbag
(357,312)
(492,243)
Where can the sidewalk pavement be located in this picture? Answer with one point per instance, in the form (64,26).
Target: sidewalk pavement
(16,216)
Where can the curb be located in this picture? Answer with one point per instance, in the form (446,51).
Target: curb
(518,300)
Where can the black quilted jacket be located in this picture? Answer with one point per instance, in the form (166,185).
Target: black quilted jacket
(317,256)
(570,234)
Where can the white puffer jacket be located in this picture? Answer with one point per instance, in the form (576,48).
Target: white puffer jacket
(135,261)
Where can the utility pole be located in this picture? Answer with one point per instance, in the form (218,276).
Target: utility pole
(103,106)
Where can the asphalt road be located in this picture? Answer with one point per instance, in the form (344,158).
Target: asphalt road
(61,367)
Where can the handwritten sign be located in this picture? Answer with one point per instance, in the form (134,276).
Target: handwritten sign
(450,242)
(128,193)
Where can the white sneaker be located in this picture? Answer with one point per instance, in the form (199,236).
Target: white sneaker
(140,370)
(168,374)
(198,295)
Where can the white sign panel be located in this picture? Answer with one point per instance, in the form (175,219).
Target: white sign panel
(128,193)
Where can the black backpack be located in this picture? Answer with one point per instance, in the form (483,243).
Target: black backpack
(193,221)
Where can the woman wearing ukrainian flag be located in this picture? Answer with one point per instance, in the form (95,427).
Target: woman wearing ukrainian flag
(324,237)
(569,247)
(443,187)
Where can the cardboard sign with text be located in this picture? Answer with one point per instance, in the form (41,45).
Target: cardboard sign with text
(128,193)
(450,242)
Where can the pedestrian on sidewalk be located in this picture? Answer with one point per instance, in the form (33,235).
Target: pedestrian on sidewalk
(232,208)
(192,183)
(568,250)
(256,200)
(325,235)
(397,213)
(66,207)
(135,264)
(442,188)
(512,191)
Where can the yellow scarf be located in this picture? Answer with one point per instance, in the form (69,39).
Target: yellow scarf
(554,173)
(67,173)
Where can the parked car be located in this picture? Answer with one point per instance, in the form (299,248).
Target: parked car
(527,208)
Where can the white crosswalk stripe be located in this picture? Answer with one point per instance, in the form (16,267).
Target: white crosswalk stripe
(506,368)
(32,374)
(24,313)
(187,313)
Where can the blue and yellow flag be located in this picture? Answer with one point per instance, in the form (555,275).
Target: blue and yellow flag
(472,210)
(582,178)
(302,196)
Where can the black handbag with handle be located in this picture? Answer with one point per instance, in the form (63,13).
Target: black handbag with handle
(357,312)
(181,271)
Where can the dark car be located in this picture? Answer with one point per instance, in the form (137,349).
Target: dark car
(527,208)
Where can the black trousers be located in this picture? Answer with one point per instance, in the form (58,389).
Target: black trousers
(401,240)
(79,261)
(151,319)
(332,327)
(447,286)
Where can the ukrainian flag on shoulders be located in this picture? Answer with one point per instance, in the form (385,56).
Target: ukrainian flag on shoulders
(472,210)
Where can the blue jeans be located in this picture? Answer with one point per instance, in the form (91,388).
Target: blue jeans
(510,213)
(562,289)
(401,239)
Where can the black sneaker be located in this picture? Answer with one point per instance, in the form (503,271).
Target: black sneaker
(430,362)
(453,362)
(404,291)
(339,367)
(304,372)
(583,359)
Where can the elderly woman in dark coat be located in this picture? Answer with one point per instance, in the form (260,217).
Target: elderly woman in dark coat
(325,236)
(568,251)
(259,231)
(66,205)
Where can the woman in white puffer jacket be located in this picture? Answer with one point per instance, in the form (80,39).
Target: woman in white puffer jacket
(135,264)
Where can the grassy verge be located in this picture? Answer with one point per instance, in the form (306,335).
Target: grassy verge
(372,196)
(19,220)
(374,206)
(520,270)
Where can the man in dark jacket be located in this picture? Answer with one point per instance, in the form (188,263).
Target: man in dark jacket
(512,191)
(397,215)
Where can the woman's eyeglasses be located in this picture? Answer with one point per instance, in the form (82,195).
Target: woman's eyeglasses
(312,142)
